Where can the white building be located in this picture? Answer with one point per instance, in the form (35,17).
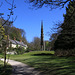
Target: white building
(15,43)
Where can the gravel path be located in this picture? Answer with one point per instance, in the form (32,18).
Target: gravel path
(22,69)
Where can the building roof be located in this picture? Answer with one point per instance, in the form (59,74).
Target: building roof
(17,42)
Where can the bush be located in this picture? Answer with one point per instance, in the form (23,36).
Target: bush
(61,52)
(27,50)
(20,50)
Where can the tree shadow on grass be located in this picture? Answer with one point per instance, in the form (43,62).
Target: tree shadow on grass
(24,70)
(54,65)
(49,64)
(5,71)
(58,69)
(43,54)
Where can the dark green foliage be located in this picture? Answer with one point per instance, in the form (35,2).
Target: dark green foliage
(66,40)
(1,50)
(27,50)
(42,36)
(30,47)
(4,71)
(53,39)
(20,50)
(47,45)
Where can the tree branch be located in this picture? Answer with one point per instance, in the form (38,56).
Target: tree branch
(1,4)
(11,12)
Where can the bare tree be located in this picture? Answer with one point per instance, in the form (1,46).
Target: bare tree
(12,7)
(51,3)
(4,22)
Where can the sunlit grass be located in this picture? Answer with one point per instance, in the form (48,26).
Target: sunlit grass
(47,63)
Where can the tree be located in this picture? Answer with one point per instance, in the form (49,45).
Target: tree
(15,32)
(5,43)
(47,45)
(12,31)
(36,43)
(42,46)
(2,34)
(12,7)
(23,33)
(19,34)
(30,47)
(51,3)
(66,40)
(53,39)
(56,32)
(7,26)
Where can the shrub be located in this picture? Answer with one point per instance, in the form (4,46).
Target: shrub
(20,50)
(68,52)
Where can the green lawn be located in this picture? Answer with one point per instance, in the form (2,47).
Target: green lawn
(47,63)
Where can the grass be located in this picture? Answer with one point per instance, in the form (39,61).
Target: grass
(5,71)
(47,63)
(1,55)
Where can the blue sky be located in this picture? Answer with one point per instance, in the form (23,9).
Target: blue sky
(30,19)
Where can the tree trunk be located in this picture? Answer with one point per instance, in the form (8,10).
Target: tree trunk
(5,57)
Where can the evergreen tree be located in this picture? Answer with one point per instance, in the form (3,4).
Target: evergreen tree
(42,35)
(66,40)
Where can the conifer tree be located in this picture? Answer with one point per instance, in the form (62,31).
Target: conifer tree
(42,35)
(66,40)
